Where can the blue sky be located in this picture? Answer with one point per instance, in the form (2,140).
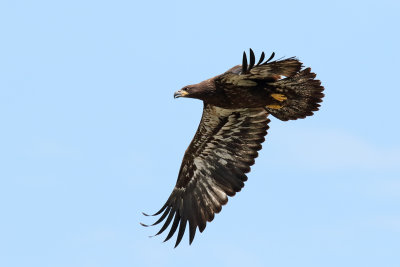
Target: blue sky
(91,135)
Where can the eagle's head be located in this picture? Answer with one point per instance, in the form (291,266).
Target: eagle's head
(200,91)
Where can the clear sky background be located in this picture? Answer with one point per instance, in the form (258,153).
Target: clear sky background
(91,135)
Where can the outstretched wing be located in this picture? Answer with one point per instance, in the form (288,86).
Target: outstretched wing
(249,73)
(214,167)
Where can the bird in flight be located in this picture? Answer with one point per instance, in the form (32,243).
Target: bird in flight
(234,123)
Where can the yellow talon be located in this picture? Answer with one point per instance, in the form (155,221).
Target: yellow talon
(274,106)
(279,97)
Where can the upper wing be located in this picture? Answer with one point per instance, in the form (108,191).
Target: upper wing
(249,73)
(214,166)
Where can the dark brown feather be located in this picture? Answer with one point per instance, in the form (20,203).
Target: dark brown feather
(181,231)
(244,63)
(261,58)
(167,222)
(174,226)
(252,59)
(269,59)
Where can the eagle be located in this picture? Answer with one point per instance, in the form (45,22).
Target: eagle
(233,126)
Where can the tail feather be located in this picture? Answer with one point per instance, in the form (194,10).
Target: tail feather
(303,94)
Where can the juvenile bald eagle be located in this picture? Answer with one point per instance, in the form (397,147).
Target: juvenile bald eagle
(234,122)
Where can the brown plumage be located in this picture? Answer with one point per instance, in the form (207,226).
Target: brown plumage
(234,122)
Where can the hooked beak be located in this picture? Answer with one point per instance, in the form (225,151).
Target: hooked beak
(180,93)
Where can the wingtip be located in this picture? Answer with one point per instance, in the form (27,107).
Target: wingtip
(191,240)
(158,212)
(178,241)
(144,225)
(244,63)
(270,58)
(151,236)
(252,59)
(261,58)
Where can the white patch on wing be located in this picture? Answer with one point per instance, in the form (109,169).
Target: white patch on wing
(211,199)
(222,161)
(221,194)
(224,154)
(199,163)
(202,169)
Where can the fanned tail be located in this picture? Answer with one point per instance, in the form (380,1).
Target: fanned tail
(302,96)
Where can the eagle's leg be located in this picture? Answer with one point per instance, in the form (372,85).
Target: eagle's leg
(279,97)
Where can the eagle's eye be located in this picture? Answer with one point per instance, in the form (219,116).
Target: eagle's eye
(185,89)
